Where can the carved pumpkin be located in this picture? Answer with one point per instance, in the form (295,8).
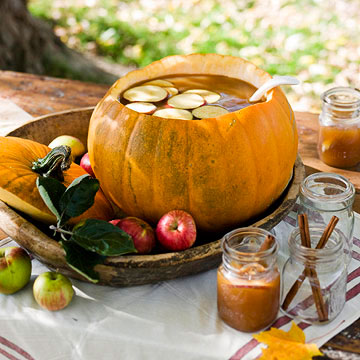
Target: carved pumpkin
(222,170)
(18,181)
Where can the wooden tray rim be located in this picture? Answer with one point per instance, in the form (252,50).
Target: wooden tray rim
(12,222)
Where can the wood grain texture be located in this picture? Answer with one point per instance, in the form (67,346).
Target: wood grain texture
(2,235)
(41,95)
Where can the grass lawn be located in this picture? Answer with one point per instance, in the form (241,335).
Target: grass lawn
(316,41)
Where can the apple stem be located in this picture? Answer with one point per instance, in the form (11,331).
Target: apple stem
(174,225)
(62,231)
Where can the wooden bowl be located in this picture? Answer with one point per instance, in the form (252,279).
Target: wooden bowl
(130,269)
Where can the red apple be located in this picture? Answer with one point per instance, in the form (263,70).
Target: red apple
(53,291)
(141,232)
(15,269)
(85,164)
(176,230)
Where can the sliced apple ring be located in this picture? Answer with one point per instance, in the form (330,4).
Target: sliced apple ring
(172,90)
(145,93)
(186,101)
(209,96)
(209,111)
(142,107)
(159,82)
(171,113)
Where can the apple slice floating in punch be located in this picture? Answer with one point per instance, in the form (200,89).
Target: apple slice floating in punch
(142,107)
(186,101)
(209,111)
(171,113)
(172,90)
(145,93)
(272,83)
(159,82)
(209,96)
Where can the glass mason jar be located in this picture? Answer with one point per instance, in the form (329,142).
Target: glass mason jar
(339,132)
(322,287)
(248,280)
(323,195)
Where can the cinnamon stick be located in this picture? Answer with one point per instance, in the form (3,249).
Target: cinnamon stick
(327,232)
(321,244)
(267,244)
(310,272)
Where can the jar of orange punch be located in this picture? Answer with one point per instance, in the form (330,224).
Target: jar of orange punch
(248,280)
(339,132)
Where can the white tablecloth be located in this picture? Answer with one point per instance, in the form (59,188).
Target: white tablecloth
(170,320)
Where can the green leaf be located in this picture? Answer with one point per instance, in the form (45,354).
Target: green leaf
(79,196)
(82,261)
(103,238)
(51,191)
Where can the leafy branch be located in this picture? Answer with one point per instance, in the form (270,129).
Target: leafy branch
(91,240)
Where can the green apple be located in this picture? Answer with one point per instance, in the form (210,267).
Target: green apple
(53,291)
(77,147)
(15,269)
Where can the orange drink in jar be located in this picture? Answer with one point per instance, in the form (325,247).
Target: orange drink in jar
(339,132)
(248,280)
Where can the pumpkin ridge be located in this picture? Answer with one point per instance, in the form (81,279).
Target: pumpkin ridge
(253,203)
(292,127)
(277,155)
(156,156)
(188,188)
(127,162)
(292,120)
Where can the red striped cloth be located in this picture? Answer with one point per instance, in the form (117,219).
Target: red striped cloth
(251,349)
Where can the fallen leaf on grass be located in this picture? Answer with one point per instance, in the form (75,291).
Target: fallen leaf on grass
(282,344)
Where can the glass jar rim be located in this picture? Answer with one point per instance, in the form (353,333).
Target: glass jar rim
(346,195)
(327,98)
(313,255)
(249,256)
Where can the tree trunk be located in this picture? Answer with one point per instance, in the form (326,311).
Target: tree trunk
(29,45)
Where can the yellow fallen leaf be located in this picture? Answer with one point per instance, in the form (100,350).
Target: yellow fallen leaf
(282,344)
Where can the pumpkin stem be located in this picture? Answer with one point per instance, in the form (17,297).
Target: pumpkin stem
(54,163)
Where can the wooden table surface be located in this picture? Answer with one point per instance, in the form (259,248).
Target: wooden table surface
(41,95)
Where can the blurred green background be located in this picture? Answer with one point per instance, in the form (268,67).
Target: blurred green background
(316,41)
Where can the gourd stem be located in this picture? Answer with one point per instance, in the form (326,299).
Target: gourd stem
(54,163)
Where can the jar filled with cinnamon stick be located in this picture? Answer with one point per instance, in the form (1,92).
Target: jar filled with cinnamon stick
(323,195)
(314,276)
(248,280)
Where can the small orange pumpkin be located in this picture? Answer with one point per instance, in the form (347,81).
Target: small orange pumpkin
(222,170)
(18,181)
